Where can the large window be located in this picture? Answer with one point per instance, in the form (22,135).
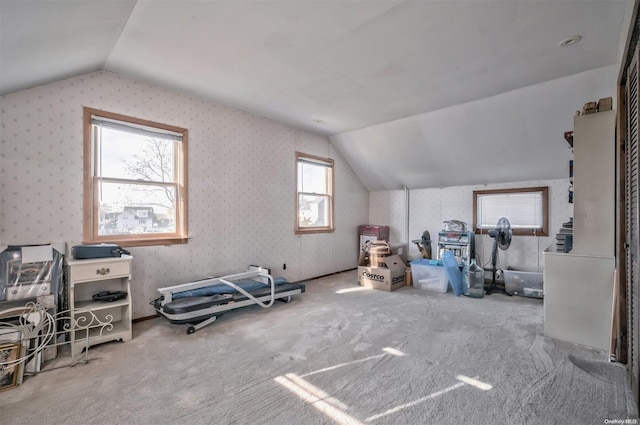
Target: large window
(135,176)
(526,210)
(314,196)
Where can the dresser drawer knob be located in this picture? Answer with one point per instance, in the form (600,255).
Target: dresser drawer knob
(102,271)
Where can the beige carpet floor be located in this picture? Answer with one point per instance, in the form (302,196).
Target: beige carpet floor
(336,355)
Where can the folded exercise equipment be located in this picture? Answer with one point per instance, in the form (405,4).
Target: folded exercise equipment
(198,303)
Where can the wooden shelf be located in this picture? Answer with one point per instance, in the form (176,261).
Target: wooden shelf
(100,305)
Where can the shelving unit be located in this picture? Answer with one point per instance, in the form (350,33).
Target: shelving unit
(96,322)
(578,286)
(461,243)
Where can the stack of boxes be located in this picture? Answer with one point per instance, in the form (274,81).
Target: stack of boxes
(604,104)
(387,275)
(564,237)
(371,232)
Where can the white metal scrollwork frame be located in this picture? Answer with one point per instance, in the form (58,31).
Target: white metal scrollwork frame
(34,323)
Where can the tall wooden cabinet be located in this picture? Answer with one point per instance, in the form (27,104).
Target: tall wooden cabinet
(95,322)
(578,286)
(594,184)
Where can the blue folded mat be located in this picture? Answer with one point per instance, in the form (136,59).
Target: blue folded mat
(221,288)
(453,272)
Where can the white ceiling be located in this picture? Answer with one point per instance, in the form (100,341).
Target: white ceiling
(330,67)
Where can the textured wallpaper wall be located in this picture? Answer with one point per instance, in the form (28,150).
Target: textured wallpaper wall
(428,208)
(241,183)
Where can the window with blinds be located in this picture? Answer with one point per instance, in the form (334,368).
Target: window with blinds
(134,180)
(314,194)
(526,210)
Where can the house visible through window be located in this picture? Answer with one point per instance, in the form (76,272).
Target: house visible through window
(134,180)
(314,196)
(526,210)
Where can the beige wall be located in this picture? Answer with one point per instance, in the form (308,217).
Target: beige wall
(428,209)
(241,183)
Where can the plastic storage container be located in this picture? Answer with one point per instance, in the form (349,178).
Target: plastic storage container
(525,284)
(429,274)
(473,277)
(454,274)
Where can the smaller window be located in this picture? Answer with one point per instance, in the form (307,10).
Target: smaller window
(314,195)
(526,209)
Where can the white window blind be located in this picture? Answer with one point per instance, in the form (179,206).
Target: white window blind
(523,210)
(137,129)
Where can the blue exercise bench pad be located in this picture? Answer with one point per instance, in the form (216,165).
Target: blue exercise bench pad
(193,304)
(221,288)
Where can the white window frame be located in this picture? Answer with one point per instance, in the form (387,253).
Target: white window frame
(91,182)
(538,196)
(303,158)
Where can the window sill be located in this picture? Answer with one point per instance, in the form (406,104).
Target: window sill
(517,232)
(313,231)
(142,242)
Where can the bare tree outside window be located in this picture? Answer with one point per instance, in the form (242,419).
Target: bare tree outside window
(154,163)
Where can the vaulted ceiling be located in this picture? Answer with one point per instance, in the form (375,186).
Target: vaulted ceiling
(335,68)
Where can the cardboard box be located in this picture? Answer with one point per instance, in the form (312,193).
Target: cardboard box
(368,232)
(377,253)
(387,278)
(589,108)
(605,104)
(399,249)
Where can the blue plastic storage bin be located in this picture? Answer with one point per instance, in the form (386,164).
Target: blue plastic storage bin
(429,275)
(453,273)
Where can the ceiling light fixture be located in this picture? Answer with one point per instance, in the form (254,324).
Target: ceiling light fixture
(570,41)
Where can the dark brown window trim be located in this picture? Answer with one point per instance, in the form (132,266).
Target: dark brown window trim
(520,232)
